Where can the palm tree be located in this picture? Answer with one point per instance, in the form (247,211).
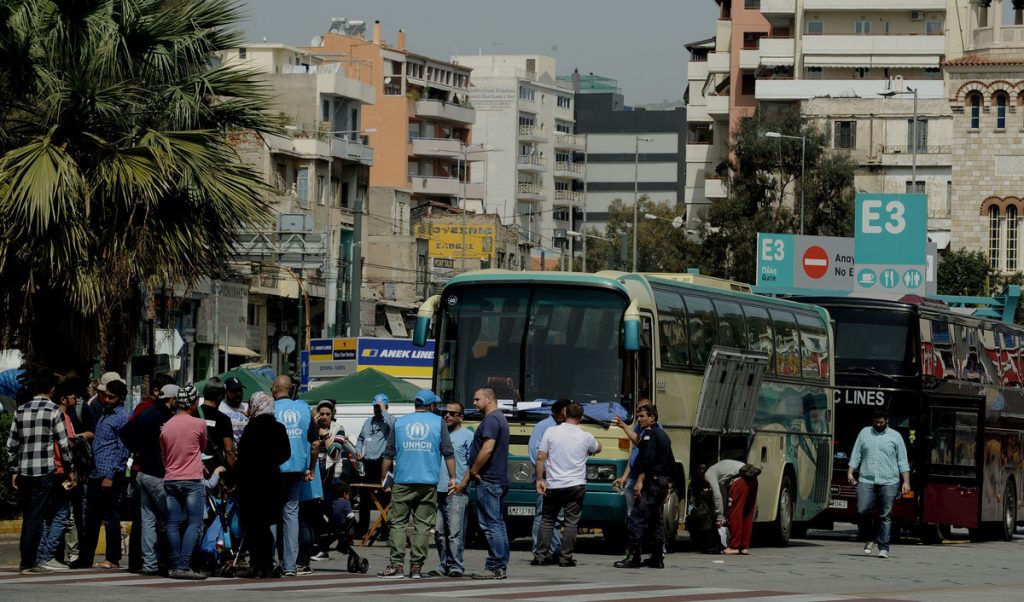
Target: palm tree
(116,172)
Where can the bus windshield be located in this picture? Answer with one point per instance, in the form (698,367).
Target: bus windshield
(873,340)
(534,344)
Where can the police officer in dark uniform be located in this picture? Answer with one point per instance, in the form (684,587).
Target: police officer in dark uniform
(654,466)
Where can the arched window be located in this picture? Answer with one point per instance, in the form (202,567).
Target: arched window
(1000,99)
(993,237)
(975,101)
(1011,237)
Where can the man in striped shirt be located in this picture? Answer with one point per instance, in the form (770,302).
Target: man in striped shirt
(37,428)
(881,456)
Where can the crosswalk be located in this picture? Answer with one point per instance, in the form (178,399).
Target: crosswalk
(338,582)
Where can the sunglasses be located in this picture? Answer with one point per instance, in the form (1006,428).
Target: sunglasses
(449,413)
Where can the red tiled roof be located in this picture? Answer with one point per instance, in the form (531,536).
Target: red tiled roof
(984,60)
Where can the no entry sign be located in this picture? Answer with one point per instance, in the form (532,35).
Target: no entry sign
(815,262)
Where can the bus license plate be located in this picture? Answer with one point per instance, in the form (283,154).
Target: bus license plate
(839,504)
(522,510)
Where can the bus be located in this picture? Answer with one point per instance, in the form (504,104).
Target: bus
(952,385)
(609,339)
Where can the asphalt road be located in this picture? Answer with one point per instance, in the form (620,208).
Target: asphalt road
(825,566)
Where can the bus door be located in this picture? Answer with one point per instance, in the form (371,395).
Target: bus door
(952,492)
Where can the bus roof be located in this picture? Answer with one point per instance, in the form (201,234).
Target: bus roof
(570,278)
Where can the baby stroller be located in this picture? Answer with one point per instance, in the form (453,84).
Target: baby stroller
(339,522)
(356,563)
(220,548)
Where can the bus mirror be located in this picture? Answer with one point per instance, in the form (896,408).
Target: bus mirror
(631,328)
(423,317)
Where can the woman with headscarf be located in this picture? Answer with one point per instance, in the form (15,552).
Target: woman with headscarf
(261,450)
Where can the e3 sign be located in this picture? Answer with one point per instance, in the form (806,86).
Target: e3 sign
(793,264)
(890,236)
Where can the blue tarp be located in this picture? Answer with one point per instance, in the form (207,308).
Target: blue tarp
(9,385)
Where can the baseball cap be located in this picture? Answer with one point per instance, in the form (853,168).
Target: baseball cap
(187,396)
(168,392)
(213,385)
(106,379)
(233,384)
(380,398)
(426,397)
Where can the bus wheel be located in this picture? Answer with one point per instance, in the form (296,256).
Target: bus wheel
(671,518)
(1009,525)
(782,528)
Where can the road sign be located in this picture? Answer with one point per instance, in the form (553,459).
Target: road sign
(286,344)
(303,370)
(890,233)
(815,262)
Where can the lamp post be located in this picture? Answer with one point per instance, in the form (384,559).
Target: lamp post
(586,178)
(636,185)
(677,222)
(460,160)
(803,150)
(913,132)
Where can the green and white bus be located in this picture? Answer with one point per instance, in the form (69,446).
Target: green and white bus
(734,375)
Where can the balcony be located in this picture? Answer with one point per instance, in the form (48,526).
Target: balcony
(698,153)
(531,133)
(750,58)
(865,5)
(932,155)
(572,142)
(444,186)
(776,51)
(1010,36)
(437,147)
(718,106)
(529,192)
(718,62)
(569,196)
(338,85)
(771,8)
(697,70)
(803,89)
(564,169)
(714,188)
(884,50)
(332,146)
(435,109)
(531,163)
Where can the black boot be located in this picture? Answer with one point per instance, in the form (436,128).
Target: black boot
(656,561)
(631,561)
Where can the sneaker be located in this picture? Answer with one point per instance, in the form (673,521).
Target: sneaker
(415,571)
(490,574)
(455,574)
(568,563)
(883,553)
(33,570)
(321,556)
(869,547)
(303,570)
(391,572)
(53,565)
(290,573)
(186,574)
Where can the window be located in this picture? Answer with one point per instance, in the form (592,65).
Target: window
(732,332)
(325,110)
(862,27)
(954,442)
(933,28)
(814,72)
(751,39)
(886,26)
(302,183)
(993,237)
(845,135)
(700,133)
(527,93)
(701,328)
(752,4)
(915,187)
(241,53)
(922,135)
(861,72)
(1000,111)
(674,344)
(564,102)
(932,73)
(815,27)
(941,362)
(747,84)
(321,190)
(975,101)
(1011,237)
(759,334)
(814,355)
(787,343)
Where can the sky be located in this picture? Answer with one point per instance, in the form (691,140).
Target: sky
(639,43)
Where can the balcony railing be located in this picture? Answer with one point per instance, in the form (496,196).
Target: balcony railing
(531,131)
(530,162)
(940,213)
(922,149)
(573,168)
(569,141)
(572,196)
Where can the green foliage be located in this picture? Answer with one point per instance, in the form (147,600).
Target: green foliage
(115,168)
(660,248)
(8,497)
(763,168)
(964,272)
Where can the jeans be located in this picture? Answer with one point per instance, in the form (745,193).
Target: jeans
(292,484)
(450,532)
(34,494)
(488,509)
(869,494)
(154,518)
(185,504)
(55,521)
(566,502)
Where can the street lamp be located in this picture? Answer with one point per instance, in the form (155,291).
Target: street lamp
(636,203)
(460,160)
(583,238)
(803,154)
(677,221)
(913,134)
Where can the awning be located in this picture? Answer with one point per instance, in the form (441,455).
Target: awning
(777,61)
(239,350)
(874,62)
(940,238)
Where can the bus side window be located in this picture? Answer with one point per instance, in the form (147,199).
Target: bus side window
(760,335)
(943,350)
(703,328)
(1009,360)
(814,346)
(988,355)
(673,342)
(732,332)
(787,345)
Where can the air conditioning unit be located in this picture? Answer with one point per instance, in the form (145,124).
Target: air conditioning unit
(916,15)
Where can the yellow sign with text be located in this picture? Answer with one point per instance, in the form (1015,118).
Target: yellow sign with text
(447,240)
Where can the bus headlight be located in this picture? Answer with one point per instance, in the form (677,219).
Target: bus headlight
(600,472)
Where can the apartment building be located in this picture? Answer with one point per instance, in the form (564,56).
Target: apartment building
(526,128)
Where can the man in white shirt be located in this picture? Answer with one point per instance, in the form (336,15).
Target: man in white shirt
(562,480)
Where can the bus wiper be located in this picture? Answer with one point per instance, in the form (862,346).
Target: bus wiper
(870,371)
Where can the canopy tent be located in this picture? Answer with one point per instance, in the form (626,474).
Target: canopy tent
(361,387)
(250,382)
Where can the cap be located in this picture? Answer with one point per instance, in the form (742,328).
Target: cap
(380,398)
(187,396)
(106,379)
(233,384)
(426,397)
(214,385)
(325,403)
(168,392)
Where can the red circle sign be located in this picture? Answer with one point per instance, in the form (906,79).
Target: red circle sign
(815,262)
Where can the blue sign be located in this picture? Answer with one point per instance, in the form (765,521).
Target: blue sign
(774,260)
(397,357)
(303,371)
(890,240)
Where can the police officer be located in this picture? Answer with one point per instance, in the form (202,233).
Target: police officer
(654,465)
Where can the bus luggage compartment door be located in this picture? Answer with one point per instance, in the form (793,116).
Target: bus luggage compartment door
(952,494)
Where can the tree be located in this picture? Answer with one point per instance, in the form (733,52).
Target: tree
(764,167)
(116,175)
(964,272)
(660,248)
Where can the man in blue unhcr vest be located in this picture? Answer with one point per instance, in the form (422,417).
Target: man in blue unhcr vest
(415,446)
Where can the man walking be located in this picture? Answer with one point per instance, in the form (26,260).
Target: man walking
(654,465)
(37,427)
(415,447)
(304,442)
(881,456)
(450,530)
(557,417)
(562,481)
(488,460)
(370,446)
(737,482)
